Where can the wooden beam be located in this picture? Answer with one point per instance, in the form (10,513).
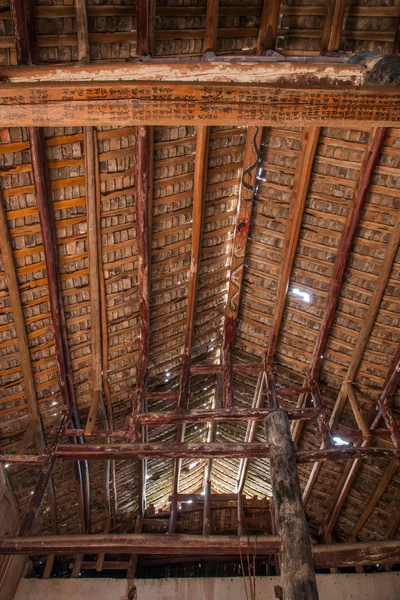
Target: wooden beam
(200,177)
(46,217)
(297,569)
(239,244)
(370,158)
(268,26)
(294,72)
(145,16)
(199,193)
(197,450)
(94,278)
(369,318)
(356,410)
(25,36)
(226,104)
(82,31)
(351,470)
(142,228)
(301,183)
(29,518)
(251,431)
(210,37)
(380,490)
(141,543)
(333,26)
(222,415)
(362,340)
(207,450)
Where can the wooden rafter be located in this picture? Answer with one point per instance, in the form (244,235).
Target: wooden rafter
(94,277)
(82,31)
(46,217)
(251,431)
(369,318)
(210,37)
(23,346)
(24,25)
(145,12)
(200,176)
(333,25)
(352,469)
(380,490)
(29,518)
(239,244)
(301,183)
(268,26)
(370,158)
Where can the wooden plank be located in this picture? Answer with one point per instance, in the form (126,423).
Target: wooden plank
(319,108)
(301,182)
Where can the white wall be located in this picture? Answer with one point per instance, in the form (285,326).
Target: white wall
(379,586)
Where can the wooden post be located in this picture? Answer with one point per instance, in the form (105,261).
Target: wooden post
(297,569)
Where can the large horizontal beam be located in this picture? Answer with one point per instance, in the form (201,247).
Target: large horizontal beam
(139,543)
(325,556)
(263,69)
(216,415)
(138,103)
(198,450)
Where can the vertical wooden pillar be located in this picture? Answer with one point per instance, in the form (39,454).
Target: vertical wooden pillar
(297,568)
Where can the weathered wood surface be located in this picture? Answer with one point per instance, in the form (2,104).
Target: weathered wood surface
(324,556)
(308,148)
(165,104)
(140,543)
(264,70)
(197,450)
(23,19)
(297,569)
(239,244)
(370,158)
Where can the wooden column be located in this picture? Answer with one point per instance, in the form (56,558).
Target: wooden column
(297,568)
